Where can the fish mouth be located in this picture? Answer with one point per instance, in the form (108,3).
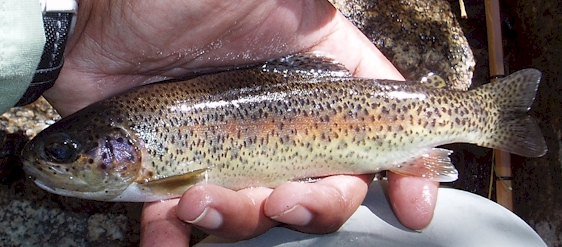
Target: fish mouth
(71,187)
(38,178)
(88,195)
(47,181)
(32,172)
(41,184)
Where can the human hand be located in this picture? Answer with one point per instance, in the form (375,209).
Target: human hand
(121,44)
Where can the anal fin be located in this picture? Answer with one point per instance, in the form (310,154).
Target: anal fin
(434,164)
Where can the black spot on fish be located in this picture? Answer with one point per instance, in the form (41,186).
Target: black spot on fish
(385,110)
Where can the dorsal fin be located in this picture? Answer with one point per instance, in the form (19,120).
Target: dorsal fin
(307,64)
(433,80)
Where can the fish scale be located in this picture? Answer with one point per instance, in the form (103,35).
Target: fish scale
(295,118)
(290,111)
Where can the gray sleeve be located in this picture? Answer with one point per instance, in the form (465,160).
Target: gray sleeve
(21,44)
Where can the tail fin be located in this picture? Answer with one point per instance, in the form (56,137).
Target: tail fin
(515,131)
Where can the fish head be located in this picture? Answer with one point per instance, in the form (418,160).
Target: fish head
(82,158)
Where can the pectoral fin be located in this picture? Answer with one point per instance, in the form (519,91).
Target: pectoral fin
(434,164)
(176,184)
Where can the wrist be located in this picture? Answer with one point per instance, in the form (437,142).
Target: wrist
(58,21)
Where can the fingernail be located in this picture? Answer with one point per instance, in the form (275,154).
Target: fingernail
(297,215)
(210,219)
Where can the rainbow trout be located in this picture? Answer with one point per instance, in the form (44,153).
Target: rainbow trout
(290,119)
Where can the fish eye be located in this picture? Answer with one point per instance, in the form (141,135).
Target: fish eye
(61,150)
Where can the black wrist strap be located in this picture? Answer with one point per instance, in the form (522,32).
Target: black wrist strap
(57,30)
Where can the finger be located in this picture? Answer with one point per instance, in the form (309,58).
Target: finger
(413,199)
(358,54)
(161,227)
(226,213)
(320,207)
